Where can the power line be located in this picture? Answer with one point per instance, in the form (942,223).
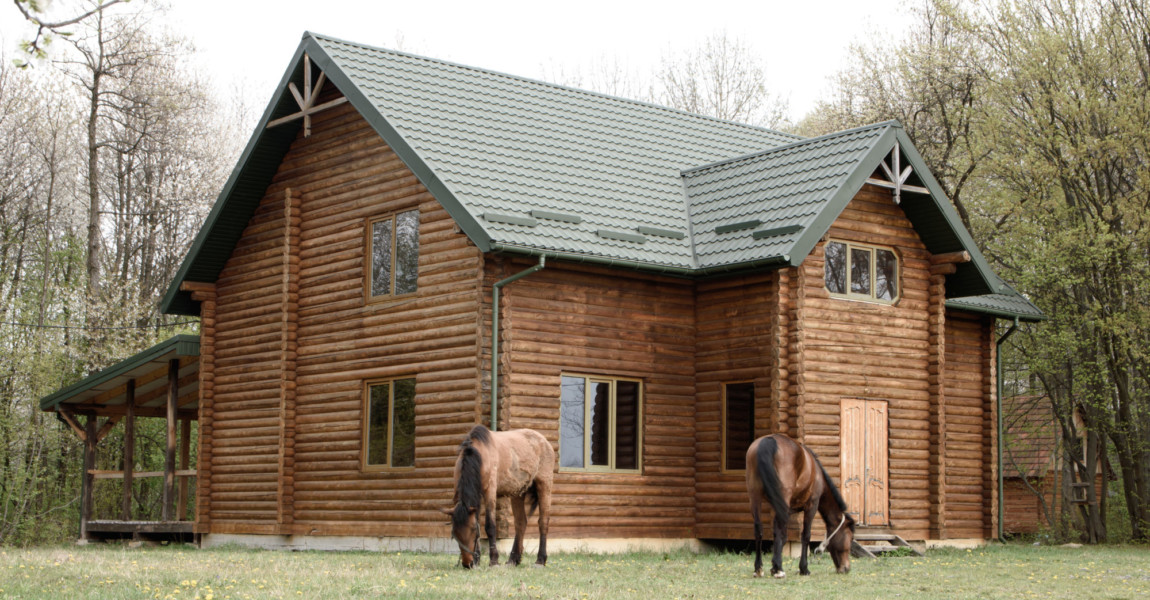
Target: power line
(158,326)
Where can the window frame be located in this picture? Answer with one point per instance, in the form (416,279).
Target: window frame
(723,424)
(873,249)
(369,255)
(365,428)
(611,428)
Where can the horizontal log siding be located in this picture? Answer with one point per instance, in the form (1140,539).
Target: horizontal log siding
(969,424)
(586,320)
(245,423)
(873,351)
(343,174)
(735,321)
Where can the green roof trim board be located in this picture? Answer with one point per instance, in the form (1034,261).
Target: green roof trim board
(535,168)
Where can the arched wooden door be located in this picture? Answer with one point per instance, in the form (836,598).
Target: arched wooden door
(864,464)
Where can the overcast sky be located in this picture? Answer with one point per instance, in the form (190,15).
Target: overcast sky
(801,43)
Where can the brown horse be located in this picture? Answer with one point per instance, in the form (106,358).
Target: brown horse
(519,463)
(791,477)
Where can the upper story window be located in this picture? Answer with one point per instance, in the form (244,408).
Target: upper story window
(861,272)
(389,424)
(393,246)
(600,423)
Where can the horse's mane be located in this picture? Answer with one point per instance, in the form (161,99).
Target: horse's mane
(469,488)
(834,490)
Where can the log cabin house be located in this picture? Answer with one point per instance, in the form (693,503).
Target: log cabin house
(666,287)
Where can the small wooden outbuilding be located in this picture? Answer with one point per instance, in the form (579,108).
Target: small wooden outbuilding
(666,287)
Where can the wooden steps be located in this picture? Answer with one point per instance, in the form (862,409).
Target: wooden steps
(871,545)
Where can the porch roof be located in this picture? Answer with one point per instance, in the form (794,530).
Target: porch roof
(104,392)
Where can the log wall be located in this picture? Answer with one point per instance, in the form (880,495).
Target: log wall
(296,341)
(736,329)
(967,454)
(869,350)
(593,321)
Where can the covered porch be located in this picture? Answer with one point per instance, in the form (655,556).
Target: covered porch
(161,382)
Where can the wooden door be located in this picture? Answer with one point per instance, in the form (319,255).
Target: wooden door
(864,465)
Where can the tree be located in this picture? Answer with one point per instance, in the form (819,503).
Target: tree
(930,83)
(721,78)
(34,11)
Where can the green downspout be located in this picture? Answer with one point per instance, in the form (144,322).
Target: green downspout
(495,336)
(998,407)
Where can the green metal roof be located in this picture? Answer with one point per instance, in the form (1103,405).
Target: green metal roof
(1009,304)
(137,366)
(531,167)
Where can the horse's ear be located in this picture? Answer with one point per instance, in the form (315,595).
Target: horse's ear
(447,511)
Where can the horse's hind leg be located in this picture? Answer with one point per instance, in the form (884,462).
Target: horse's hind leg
(756,507)
(520,527)
(777,551)
(543,493)
(808,517)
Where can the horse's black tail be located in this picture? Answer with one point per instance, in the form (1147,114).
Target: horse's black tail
(768,447)
(532,493)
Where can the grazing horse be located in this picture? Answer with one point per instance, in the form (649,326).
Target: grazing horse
(519,463)
(791,477)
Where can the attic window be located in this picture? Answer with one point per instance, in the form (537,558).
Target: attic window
(859,272)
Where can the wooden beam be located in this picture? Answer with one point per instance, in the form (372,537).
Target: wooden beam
(159,412)
(185,451)
(962,256)
(129,450)
(170,452)
(106,428)
(943,269)
(70,419)
(890,186)
(86,479)
(197,286)
(315,109)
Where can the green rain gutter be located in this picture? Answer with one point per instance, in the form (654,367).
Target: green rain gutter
(495,336)
(998,407)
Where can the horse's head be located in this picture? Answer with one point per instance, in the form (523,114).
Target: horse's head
(839,546)
(465,531)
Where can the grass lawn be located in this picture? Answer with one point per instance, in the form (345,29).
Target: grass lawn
(185,573)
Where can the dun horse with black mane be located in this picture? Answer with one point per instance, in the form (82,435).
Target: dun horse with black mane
(791,477)
(520,464)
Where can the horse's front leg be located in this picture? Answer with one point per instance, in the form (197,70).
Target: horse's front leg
(756,505)
(520,526)
(780,540)
(492,533)
(808,517)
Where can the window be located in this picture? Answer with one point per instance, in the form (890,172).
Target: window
(600,423)
(861,272)
(738,424)
(389,424)
(393,245)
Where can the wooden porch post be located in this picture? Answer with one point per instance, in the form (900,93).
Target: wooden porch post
(129,449)
(170,454)
(88,479)
(185,450)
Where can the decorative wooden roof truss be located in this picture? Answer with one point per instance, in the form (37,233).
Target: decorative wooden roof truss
(306,100)
(896,175)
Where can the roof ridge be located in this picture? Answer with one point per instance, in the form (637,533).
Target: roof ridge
(549,84)
(785,147)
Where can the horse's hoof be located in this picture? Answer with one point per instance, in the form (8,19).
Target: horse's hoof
(779,575)
(804,573)
(758,573)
